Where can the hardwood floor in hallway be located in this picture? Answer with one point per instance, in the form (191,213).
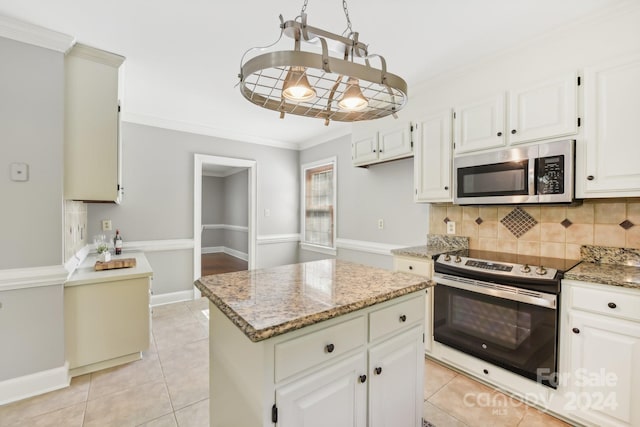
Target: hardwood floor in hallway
(221,263)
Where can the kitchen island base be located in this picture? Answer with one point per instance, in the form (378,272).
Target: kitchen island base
(364,368)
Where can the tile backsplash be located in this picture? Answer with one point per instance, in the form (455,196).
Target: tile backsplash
(552,231)
(75,227)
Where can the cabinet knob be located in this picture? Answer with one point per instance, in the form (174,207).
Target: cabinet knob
(575,330)
(486,371)
(329,348)
(378,370)
(513,131)
(591,178)
(612,305)
(379,151)
(446,187)
(411,267)
(374,151)
(499,134)
(403,318)
(362,378)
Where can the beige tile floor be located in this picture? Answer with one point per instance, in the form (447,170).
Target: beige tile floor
(169,387)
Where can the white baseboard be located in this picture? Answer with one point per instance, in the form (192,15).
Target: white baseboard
(30,385)
(171,297)
(223,249)
(268,239)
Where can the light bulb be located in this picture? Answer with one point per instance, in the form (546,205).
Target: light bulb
(352,98)
(296,86)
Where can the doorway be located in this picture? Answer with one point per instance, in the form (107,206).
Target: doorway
(204,165)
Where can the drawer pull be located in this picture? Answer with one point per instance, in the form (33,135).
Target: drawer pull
(403,318)
(363,378)
(612,305)
(329,348)
(575,330)
(378,370)
(486,371)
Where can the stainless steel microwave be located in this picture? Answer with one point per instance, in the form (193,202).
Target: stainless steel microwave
(540,173)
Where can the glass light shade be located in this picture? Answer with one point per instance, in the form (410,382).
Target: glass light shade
(352,98)
(296,86)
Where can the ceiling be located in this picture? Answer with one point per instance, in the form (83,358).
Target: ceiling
(183,57)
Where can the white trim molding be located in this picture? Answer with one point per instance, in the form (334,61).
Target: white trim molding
(223,249)
(34,35)
(227,227)
(158,245)
(321,249)
(30,385)
(370,247)
(171,297)
(33,277)
(269,239)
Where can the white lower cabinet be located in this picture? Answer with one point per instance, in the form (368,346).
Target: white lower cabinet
(420,267)
(361,369)
(334,396)
(395,388)
(601,344)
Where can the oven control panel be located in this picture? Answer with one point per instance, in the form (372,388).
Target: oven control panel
(505,269)
(488,265)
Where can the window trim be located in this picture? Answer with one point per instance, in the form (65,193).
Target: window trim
(329,250)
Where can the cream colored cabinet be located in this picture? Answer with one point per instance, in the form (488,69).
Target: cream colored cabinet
(361,369)
(372,146)
(608,167)
(600,341)
(432,158)
(420,267)
(92,151)
(544,110)
(107,320)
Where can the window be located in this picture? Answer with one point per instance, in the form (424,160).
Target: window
(319,209)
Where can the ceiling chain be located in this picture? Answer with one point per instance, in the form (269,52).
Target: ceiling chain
(344,7)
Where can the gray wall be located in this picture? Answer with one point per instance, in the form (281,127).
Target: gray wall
(236,198)
(212,197)
(158,200)
(31,131)
(382,191)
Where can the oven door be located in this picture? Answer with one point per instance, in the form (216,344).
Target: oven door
(513,328)
(506,176)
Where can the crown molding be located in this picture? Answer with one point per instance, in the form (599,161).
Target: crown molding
(24,32)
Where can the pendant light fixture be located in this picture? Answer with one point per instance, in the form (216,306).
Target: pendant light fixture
(333,79)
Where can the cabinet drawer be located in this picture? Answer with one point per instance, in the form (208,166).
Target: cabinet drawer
(607,302)
(314,348)
(396,318)
(413,266)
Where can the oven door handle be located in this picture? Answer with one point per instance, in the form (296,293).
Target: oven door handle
(500,291)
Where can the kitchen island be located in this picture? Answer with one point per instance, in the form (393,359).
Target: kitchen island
(314,344)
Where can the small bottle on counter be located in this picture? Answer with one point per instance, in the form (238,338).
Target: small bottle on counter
(117,242)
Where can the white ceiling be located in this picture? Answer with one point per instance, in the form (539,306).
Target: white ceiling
(183,57)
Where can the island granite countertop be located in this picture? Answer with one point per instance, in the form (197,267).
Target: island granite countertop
(268,302)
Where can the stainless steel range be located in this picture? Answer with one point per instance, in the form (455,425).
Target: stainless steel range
(502,308)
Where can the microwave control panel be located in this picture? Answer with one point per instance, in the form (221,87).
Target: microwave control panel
(551,175)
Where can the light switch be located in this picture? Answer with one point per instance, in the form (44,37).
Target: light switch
(19,172)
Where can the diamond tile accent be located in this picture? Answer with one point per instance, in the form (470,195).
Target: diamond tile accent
(446,220)
(626,224)
(479,221)
(518,222)
(566,223)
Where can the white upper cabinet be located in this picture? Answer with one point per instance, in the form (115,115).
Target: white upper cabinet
(373,143)
(610,162)
(432,158)
(545,110)
(92,140)
(480,125)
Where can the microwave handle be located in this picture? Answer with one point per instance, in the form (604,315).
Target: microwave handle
(533,175)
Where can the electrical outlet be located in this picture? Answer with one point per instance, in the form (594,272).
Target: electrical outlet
(451,227)
(380,224)
(106,225)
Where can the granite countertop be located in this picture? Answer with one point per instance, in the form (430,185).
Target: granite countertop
(436,244)
(607,265)
(269,302)
(609,274)
(85,274)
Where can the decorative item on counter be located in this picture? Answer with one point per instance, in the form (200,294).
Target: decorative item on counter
(117,242)
(102,248)
(115,263)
